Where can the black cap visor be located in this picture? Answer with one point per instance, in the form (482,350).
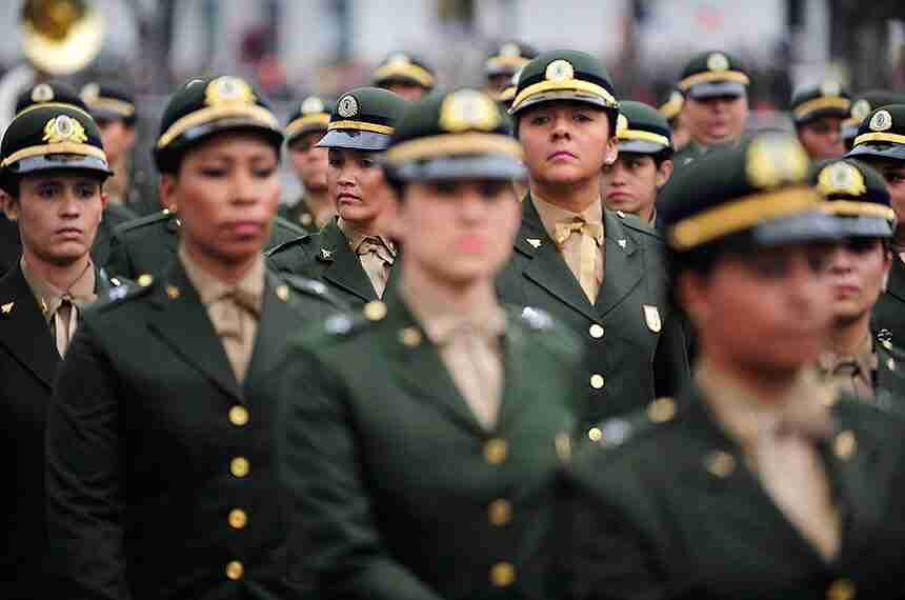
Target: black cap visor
(716,89)
(800,229)
(354,139)
(483,166)
(879,150)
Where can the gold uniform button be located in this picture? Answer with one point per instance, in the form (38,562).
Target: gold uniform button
(238,416)
(239,466)
(144,280)
(500,512)
(597,381)
(235,570)
(375,310)
(596,331)
(595,434)
(845,444)
(495,451)
(238,518)
(841,589)
(502,574)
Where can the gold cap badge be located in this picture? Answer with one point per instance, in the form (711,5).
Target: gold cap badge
(841,178)
(312,105)
(861,109)
(510,50)
(830,88)
(718,62)
(468,109)
(560,70)
(347,107)
(42,93)
(228,90)
(64,128)
(774,160)
(881,121)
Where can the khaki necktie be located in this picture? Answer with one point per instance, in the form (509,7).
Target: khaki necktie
(793,474)
(376,259)
(233,318)
(65,320)
(850,380)
(591,236)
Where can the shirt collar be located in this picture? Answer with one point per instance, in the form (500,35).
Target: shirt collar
(551,214)
(49,296)
(211,289)
(865,360)
(440,320)
(356,238)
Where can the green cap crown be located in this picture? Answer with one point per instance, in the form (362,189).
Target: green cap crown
(204,106)
(826,99)
(404,67)
(106,101)
(51,137)
(857,195)
(713,73)
(882,134)
(757,188)
(508,57)
(564,75)
(461,134)
(641,129)
(311,114)
(364,119)
(46,92)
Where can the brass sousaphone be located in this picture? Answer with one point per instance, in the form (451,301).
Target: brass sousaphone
(60,37)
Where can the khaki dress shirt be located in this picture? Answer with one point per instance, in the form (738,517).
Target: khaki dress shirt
(61,307)
(376,253)
(853,375)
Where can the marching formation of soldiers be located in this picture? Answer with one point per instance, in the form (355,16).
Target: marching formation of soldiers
(532,341)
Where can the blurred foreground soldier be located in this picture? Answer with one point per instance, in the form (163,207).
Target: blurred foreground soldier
(644,164)
(715,85)
(862,365)
(596,270)
(861,108)
(116,114)
(757,482)
(818,112)
(504,62)
(353,253)
(405,75)
(147,245)
(881,144)
(671,108)
(159,436)
(53,168)
(423,442)
(306,127)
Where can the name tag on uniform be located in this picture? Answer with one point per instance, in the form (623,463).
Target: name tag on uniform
(652,317)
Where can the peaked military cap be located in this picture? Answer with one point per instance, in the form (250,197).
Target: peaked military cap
(882,134)
(311,114)
(51,136)
(508,58)
(505,97)
(109,102)
(672,104)
(862,107)
(564,75)
(711,74)
(55,92)
(404,67)
(856,195)
(203,107)
(459,135)
(363,119)
(641,129)
(815,101)
(757,192)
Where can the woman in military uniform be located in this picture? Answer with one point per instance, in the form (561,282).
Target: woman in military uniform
(352,254)
(159,477)
(422,442)
(758,482)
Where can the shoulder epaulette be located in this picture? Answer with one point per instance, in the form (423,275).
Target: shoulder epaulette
(302,240)
(141,222)
(636,224)
(125,290)
(312,288)
(287,225)
(620,430)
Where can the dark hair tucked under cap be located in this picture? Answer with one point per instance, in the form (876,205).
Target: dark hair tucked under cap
(204,107)
(55,92)
(856,195)
(51,137)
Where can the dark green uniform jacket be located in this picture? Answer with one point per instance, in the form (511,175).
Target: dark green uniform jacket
(402,494)
(673,512)
(10,247)
(28,365)
(153,446)
(299,214)
(634,343)
(149,244)
(114,216)
(889,311)
(327,257)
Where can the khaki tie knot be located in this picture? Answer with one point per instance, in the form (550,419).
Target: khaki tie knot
(378,247)
(565,230)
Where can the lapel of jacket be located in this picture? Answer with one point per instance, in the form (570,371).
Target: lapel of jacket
(516,387)
(272,335)
(343,267)
(545,266)
(23,329)
(182,322)
(624,266)
(421,370)
(171,227)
